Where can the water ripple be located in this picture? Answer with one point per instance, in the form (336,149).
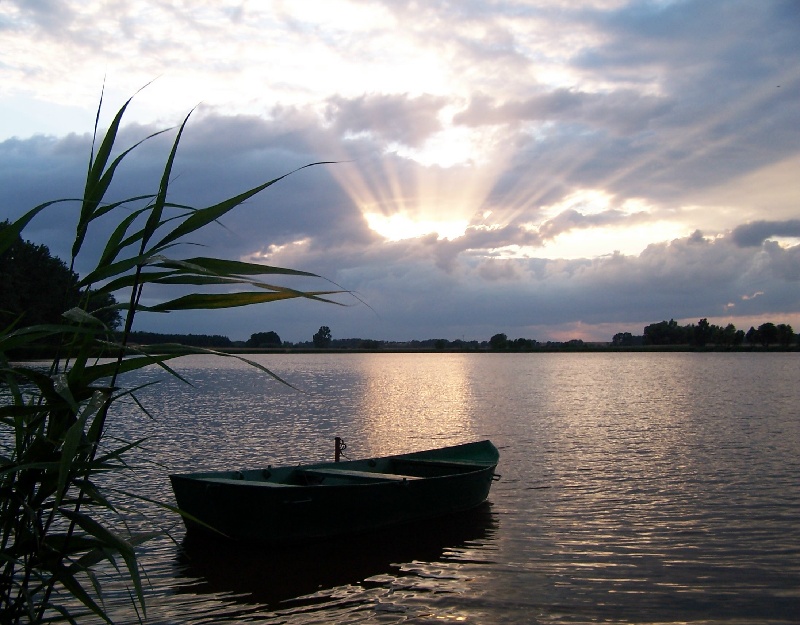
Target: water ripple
(646,488)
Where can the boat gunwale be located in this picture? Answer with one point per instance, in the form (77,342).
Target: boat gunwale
(379,479)
(460,466)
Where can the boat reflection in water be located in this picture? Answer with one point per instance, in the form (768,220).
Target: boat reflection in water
(271,575)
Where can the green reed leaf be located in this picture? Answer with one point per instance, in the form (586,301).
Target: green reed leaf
(232,267)
(154,219)
(72,442)
(96,185)
(210,301)
(71,583)
(79,315)
(111,541)
(205,216)
(115,269)
(106,370)
(130,280)
(114,244)
(194,280)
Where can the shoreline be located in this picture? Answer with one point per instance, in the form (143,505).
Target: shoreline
(45,354)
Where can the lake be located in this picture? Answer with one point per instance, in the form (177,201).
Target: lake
(636,487)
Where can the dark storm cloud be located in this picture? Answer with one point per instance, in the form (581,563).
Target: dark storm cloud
(753,234)
(38,170)
(785,265)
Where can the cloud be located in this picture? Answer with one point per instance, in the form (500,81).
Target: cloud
(622,112)
(218,157)
(48,15)
(572,219)
(392,118)
(755,233)
(486,120)
(473,293)
(418,287)
(492,270)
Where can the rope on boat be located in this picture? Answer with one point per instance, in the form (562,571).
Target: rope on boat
(340,447)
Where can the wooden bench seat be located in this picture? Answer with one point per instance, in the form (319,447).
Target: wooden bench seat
(433,462)
(240,481)
(368,475)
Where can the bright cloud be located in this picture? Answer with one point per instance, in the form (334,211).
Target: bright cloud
(399,227)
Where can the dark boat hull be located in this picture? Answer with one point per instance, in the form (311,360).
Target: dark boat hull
(337,499)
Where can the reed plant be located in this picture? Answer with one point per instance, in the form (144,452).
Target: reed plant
(55,510)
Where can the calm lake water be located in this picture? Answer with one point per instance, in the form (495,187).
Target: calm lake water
(636,488)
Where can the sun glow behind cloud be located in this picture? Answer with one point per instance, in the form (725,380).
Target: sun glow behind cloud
(436,188)
(443,187)
(452,146)
(445,202)
(630,241)
(399,226)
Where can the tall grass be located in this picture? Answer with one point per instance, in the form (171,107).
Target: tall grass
(54,528)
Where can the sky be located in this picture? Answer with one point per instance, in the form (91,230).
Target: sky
(546,169)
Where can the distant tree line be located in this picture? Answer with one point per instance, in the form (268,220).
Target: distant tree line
(703,334)
(194,340)
(664,334)
(501,342)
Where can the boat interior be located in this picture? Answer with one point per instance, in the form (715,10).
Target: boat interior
(392,469)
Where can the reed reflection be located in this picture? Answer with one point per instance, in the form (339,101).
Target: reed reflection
(414,401)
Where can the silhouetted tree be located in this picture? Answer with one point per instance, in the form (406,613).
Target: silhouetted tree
(39,288)
(664,333)
(767,333)
(729,336)
(522,344)
(784,334)
(622,339)
(498,341)
(264,339)
(323,337)
(703,333)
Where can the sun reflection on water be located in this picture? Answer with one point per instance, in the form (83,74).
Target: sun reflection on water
(405,407)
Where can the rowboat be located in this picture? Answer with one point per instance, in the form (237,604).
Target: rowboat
(296,504)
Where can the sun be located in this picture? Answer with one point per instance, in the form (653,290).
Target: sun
(436,188)
(399,226)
